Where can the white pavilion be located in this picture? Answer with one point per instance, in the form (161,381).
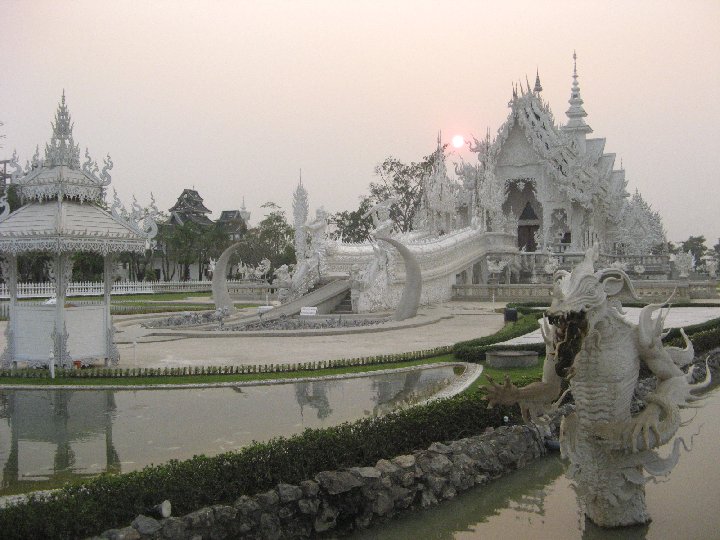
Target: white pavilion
(62,215)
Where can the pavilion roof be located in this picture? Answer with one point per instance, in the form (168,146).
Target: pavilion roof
(63,213)
(68,226)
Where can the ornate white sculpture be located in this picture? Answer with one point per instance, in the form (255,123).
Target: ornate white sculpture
(380,213)
(283,281)
(589,343)
(684,262)
(711,266)
(262,269)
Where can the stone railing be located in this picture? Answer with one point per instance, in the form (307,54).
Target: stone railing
(651,291)
(652,265)
(95,288)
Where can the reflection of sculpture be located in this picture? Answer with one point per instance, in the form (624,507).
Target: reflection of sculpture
(314,394)
(593,346)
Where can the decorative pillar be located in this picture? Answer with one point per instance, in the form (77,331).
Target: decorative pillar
(60,272)
(9,272)
(112,356)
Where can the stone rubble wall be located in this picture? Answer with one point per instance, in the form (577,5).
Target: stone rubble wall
(337,502)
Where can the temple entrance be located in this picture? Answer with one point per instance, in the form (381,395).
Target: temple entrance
(526,237)
(528,225)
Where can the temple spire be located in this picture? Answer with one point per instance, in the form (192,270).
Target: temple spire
(62,149)
(538,87)
(576,113)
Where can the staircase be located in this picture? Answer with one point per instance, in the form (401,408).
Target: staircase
(345,306)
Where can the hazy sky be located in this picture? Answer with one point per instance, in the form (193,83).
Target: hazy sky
(234,98)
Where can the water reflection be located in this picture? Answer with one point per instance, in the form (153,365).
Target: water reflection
(538,501)
(48,437)
(55,421)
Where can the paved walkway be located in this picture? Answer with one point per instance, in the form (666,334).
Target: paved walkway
(677,318)
(454,321)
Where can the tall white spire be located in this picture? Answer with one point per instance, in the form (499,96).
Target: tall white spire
(576,113)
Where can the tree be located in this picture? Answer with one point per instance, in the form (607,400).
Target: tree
(351,226)
(87,266)
(716,247)
(273,239)
(405,183)
(696,246)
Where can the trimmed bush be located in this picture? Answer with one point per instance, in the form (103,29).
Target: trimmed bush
(111,501)
(474,350)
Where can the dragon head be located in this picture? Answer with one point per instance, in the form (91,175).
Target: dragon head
(580,299)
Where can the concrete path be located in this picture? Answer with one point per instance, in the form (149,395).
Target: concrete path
(677,318)
(453,322)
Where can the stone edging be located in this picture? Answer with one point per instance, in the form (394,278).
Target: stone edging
(472,372)
(338,502)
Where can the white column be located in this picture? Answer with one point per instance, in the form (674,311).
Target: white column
(9,269)
(61,279)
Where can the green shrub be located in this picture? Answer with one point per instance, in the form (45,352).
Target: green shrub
(474,350)
(111,501)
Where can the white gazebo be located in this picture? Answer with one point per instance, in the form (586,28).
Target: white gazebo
(62,216)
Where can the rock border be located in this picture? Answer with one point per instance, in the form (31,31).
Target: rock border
(341,501)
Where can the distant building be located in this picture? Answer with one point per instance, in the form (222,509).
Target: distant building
(233,222)
(190,208)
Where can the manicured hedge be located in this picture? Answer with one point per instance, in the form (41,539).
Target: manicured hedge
(474,350)
(114,500)
(104,373)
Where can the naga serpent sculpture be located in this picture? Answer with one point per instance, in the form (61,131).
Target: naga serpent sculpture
(591,345)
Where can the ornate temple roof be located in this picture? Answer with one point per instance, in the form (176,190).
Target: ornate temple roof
(63,213)
(583,172)
(189,207)
(60,173)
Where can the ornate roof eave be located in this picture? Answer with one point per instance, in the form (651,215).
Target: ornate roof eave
(64,244)
(83,227)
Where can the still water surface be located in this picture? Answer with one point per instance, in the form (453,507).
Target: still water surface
(50,436)
(538,503)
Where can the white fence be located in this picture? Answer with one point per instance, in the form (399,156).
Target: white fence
(93,288)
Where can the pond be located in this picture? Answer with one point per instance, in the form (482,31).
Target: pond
(48,437)
(538,501)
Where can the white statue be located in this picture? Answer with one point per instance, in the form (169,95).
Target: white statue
(589,343)
(262,269)
(711,266)
(684,262)
(380,212)
(317,228)
(283,282)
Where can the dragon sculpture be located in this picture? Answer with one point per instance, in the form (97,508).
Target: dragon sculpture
(593,347)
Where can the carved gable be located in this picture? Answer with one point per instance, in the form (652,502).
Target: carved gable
(516,150)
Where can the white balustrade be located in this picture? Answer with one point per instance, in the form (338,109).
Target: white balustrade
(96,288)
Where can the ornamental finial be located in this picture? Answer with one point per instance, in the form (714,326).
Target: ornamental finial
(538,87)
(576,112)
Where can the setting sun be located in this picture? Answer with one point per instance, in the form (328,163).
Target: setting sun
(458,141)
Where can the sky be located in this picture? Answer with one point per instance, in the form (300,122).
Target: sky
(234,98)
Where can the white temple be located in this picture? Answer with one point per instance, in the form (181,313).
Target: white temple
(540,194)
